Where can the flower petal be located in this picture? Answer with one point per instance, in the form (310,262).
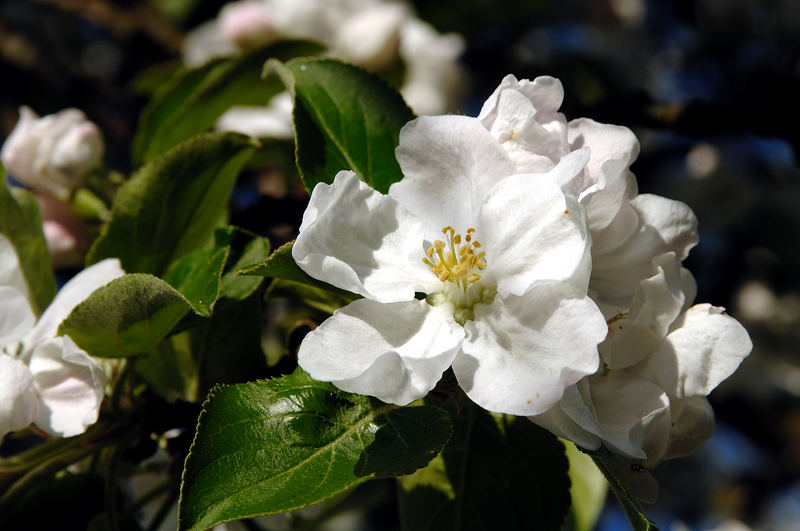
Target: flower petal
(572,418)
(692,425)
(633,415)
(396,352)
(704,347)
(521,352)
(449,164)
(18,402)
(16,316)
(657,303)
(545,93)
(10,271)
(531,231)
(607,186)
(363,241)
(70,385)
(70,295)
(664,225)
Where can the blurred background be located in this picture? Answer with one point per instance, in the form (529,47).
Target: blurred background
(710,87)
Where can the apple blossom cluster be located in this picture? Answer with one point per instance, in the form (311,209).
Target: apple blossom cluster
(372,34)
(46,379)
(517,250)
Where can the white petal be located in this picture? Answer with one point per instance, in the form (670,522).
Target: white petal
(70,295)
(657,303)
(572,419)
(633,415)
(16,316)
(522,352)
(545,93)
(449,164)
(532,232)
(606,189)
(664,225)
(18,402)
(70,385)
(271,121)
(10,270)
(396,352)
(363,241)
(532,147)
(692,425)
(704,347)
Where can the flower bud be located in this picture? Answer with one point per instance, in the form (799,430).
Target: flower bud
(246,24)
(52,154)
(370,38)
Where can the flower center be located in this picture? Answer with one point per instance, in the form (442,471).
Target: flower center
(458,262)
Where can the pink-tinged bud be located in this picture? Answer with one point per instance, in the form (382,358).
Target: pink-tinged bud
(246,24)
(66,236)
(53,154)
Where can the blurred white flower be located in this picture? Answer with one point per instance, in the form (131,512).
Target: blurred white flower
(47,379)
(52,154)
(495,253)
(372,34)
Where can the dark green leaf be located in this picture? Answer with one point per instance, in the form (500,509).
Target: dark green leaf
(345,119)
(622,490)
(172,206)
(271,446)
(499,472)
(196,98)
(225,348)
(320,299)
(198,276)
(21,223)
(247,249)
(280,264)
(129,315)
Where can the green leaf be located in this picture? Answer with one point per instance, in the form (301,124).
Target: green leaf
(345,119)
(225,348)
(198,276)
(172,206)
(622,490)
(320,299)
(129,315)
(280,264)
(497,472)
(246,250)
(21,223)
(276,445)
(196,98)
(588,489)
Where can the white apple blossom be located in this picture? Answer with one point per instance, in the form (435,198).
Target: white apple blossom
(655,407)
(661,357)
(47,379)
(373,34)
(53,154)
(492,255)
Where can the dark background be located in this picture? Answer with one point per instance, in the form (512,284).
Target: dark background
(710,87)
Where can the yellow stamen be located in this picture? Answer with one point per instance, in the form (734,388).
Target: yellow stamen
(454,261)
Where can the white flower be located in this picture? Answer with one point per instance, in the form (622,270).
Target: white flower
(655,408)
(495,255)
(372,34)
(628,230)
(661,357)
(44,379)
(53,154)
